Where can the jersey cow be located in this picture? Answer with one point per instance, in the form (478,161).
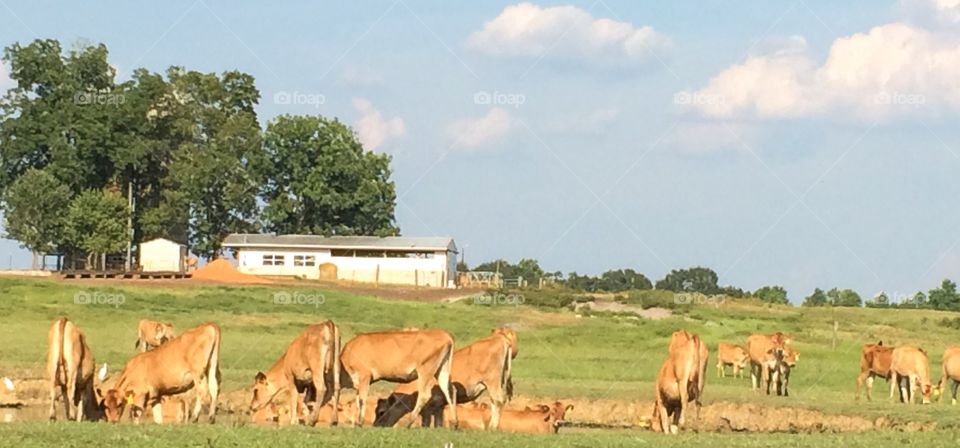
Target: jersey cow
(874,362)
(308,365)
(680,380)
(485,365)
(400,357)
(151,334)
(70,368)
(191,360)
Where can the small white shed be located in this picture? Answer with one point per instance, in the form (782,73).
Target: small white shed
(162,255)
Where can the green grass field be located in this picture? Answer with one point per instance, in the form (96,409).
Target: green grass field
(562,356)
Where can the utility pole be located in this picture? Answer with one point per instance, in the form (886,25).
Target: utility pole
(126,264)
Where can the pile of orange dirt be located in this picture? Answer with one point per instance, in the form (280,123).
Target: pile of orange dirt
(221,270)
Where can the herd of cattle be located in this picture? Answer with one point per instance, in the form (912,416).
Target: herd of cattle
(439,385)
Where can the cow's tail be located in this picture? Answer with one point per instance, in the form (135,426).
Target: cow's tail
(213,374)
(506,373)
(57,363)
(336,371)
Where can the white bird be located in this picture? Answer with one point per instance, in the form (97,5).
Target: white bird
(9,383)
(103,372)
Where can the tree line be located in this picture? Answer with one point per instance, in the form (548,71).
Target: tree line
(706,281)
(185,146)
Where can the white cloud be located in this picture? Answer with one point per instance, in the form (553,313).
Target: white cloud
(471,133)
(948,10)
(565,33)
(894,68)
(372,129)
(5,81)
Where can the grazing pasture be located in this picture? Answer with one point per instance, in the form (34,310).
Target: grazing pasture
(603,362)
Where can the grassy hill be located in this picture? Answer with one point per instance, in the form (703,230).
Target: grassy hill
(584,358)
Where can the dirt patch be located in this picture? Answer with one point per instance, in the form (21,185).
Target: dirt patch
(654,313)
(221,270)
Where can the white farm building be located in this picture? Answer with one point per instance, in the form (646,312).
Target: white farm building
(162,255)
(394,260)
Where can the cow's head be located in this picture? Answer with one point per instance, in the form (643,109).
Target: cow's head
(510,336)
(114,402)
(263,392)
(926,390)
(164,332)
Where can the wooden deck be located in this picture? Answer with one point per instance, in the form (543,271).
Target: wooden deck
(82,274)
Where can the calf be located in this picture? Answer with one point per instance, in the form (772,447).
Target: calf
(540,419)
(731,355)
(782,372)
(151,334)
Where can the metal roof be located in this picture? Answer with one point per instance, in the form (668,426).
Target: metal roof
(241,240)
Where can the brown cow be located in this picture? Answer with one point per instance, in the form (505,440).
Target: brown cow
(874,362)
(679,381)
(151,334)
(765,353)
(540,419)
(951,371)
(400,357)
(910,364)
(308,365)
(70,367)
(187,361)
(731,355)
(485,365)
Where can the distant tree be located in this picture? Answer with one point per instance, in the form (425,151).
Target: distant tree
(772,294)
(462,266)
(879,301)
(97,224)
(817,298)
(527,268)
(945,297)
(844,297)
(733,292)
(696,279)
(622,280)
(33,211)
(582,282)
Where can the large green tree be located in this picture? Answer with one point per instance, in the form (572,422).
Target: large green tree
(817,298)
(33,211)
(318,179)
(844,297)
(945,297)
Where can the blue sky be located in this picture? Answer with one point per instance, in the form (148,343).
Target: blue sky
(803,143)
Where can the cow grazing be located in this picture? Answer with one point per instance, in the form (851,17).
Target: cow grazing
(485,365)
(400,357)
(191,360)
(539,419)
(766,352)
(874,362)
(910,369)
(151,334)
(951,372)
(680,380)
(731,355)
(308,365)
(70,368)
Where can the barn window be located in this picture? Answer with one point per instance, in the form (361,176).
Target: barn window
(341,252)
(273,260)
(304,260)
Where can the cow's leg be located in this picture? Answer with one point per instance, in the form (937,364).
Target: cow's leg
(54,389)
(894,384)
(320,385)
(447,388)
(904,391)
(200,388)
(755,379)
(953,391)
(423,396)
(869,387)
(665,420)
(362,384)
(498,399)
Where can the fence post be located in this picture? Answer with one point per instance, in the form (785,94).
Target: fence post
(836,326)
